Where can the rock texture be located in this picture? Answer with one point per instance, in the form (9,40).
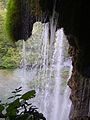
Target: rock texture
(20,18)
(80,91)
(74,17)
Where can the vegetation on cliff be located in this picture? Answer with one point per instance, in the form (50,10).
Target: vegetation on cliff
(9,55)
(21,14)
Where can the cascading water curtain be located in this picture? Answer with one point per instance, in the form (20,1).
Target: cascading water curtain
(24,63)
(52,74)
(57,58)
(52,97)
(56,101)
(53,102)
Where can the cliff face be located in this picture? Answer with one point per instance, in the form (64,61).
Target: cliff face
(20,18)
(74,17)
(80,90)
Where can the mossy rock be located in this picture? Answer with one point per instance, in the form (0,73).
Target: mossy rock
(19,20)
(21,14)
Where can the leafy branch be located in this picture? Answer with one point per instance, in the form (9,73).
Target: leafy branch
(19,108)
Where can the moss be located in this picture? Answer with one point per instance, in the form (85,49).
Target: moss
(9,56)
(21,14)
(11,59)
(18,19)
(13,18)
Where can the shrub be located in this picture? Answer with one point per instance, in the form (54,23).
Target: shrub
(19,108)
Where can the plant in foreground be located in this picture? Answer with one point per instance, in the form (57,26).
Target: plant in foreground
(19,108)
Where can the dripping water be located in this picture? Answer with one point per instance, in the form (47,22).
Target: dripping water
(66,105)
(49,98)
(54,105)
(52,97)
(57,67)
(23,84)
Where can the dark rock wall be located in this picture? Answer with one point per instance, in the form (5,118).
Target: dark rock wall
(20,18)
(80,90)
(74,17)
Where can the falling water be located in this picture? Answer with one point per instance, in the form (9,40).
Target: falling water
(45,64)
(52,97)
(64,115)
(24,55)
(52,102)
(45,46)
(23,84)
(58,65)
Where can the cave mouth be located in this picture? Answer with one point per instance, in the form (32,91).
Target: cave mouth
(54,68)
(74,17)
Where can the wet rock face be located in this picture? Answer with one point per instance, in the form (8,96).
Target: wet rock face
(20,19)
(80,92)
(74,17)
(26,20)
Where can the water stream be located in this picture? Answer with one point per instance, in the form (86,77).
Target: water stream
(58,58)
(52,96)
(49,79)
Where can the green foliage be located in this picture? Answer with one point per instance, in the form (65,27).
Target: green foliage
(13,17)
(9,55)
(1,108)
(18,108)
(19,19)
(2,4)
(11,59)
(28,95)
(2,16)
(34,43)
(21,14)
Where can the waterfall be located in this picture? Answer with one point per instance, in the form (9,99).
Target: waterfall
(45,64)
(66,105)
(23,81)
(24,55)
(58,52)
(51,99)
(52,103)
(52,96)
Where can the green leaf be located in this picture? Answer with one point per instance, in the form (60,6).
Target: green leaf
(28,95)
(1,108)
(25,116)
(12,108)
(15,104)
